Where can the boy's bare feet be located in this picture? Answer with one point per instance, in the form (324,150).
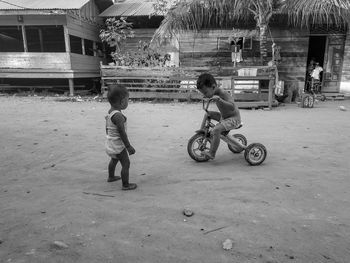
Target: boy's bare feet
(129,187)
(114,178)
(208,155)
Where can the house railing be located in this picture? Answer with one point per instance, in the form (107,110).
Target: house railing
(252,86)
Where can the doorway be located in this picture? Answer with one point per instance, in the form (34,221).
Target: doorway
(316,52)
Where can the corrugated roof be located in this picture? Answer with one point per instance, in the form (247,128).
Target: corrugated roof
(41,4)
(130,8)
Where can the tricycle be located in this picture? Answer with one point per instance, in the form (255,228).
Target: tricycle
(254,154)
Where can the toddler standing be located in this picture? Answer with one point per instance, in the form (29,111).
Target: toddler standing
(118,146)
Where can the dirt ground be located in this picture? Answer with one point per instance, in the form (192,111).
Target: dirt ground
(293,208)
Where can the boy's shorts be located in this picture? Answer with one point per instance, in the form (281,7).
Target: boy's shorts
(230,123)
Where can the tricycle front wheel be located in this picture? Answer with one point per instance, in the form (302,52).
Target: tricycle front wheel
(196,145)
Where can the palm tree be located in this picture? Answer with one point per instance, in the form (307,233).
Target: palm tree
(199,14)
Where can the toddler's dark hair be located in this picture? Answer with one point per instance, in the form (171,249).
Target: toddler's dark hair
(116,93)
(205,79)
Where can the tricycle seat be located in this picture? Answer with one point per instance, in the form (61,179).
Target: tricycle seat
(227,132)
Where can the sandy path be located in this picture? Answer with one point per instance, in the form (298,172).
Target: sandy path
(293,208)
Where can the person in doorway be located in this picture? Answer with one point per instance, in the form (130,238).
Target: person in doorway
(316,76)
(310,68)
(316,72)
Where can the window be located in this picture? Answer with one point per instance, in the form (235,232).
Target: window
(45,38)
(89,47)
(247,43)
(224,43)
(75,44)
(100,49)
(11,39)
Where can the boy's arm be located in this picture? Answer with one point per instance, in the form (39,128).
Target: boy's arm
(214,115)
(118,120)
(225,98)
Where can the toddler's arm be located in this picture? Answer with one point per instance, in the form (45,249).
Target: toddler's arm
(118,120)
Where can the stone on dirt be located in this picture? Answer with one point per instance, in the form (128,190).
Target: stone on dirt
(227,245)
(59,245)
(187,212)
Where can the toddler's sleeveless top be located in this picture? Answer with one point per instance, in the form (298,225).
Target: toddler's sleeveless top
(114,144)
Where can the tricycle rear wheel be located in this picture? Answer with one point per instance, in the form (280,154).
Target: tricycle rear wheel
(255,154)
(242,139)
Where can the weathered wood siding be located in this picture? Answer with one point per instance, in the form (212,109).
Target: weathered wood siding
(82,23)
(145,35)
(45,65)
(85,66)
(35,65)
(30,20)
(203,49)
(82,29)
(345,80)
(90,12)
(18,60)
(294,45)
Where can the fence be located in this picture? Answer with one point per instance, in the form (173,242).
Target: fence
(180,84)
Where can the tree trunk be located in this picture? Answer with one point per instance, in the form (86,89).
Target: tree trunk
(263,42)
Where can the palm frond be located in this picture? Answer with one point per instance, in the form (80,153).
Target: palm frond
(306,12)
(196,15)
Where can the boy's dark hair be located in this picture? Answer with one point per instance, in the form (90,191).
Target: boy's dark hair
(205,79)
(116,93)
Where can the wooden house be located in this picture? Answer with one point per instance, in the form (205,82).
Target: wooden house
(329,47)
(212,48)
(50,43)
(145,22)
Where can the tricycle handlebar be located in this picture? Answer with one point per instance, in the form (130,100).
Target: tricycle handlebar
(206,103)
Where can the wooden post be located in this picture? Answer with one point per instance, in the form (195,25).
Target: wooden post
(66,39)
(24,36)
(41,40)
(235,59)
(94,47)
(83,46)
(71,87)
(232,87)
(270,93)
(345,74)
